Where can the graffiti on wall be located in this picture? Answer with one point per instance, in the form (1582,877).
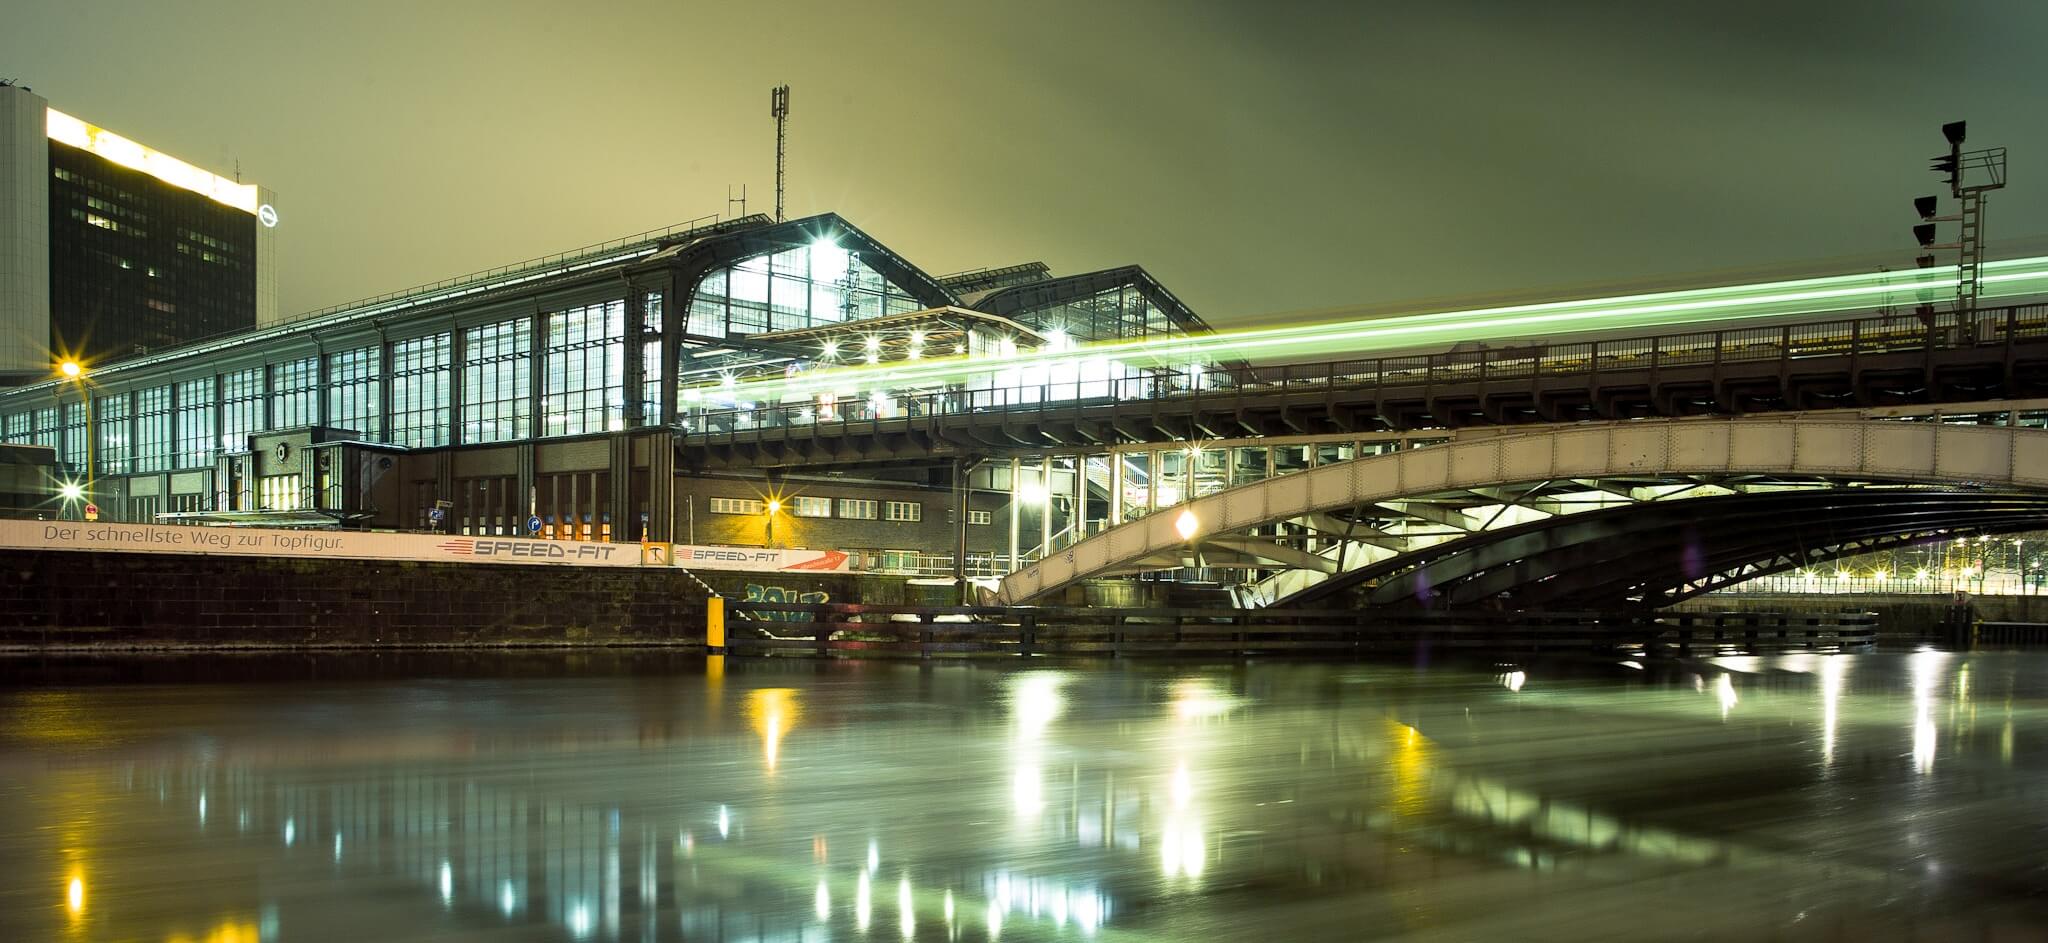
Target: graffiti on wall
(758,593)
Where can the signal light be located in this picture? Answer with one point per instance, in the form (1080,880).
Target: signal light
(1953,131)
(1925,233)
(1926,206)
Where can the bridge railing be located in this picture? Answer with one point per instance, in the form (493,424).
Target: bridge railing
(763,628)
(1846,337)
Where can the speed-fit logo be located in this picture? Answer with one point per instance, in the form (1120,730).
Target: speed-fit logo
(727,556)
(529,549)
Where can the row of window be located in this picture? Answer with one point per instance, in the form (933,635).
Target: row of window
(583,391)
(852,509)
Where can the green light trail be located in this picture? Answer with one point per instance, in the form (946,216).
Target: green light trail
(1704,308)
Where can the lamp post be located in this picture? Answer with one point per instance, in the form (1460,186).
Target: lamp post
(774,507)
(75,372)
(1189,527)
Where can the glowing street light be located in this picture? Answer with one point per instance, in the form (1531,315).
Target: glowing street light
(75,372)
(70,491)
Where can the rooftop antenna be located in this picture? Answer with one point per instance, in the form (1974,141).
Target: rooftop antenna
(778,108)
(730,200)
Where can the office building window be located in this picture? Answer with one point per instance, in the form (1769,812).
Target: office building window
(812,507)
(980,517)
(153,429)
(195,423)
(857,509)
(905,511)
(585,383)
(736,506)
(497,381)
(352,377)
(111,415)
(294,392)
(241,408)
(419,391)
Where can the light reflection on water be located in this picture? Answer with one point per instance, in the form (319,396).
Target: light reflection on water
(1031,804)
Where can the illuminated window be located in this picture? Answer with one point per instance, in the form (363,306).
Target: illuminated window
(18,428)
(152,429)
(736,506)
(352,377)
(584,391)
(497,388)
(110,417)
(903,511)
(812,507)
(858,509)
(980,517)
(241,408)
(294,392)
(73,435)
(796,288)
(195,423)
(419,391)
(650,359)
(48,430)
(279,493)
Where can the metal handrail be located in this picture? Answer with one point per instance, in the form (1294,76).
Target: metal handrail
(1851,337)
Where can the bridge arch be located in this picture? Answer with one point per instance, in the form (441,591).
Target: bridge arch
(1855,451)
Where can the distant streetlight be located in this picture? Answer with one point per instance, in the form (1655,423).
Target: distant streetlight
(774,508)
(1187,524)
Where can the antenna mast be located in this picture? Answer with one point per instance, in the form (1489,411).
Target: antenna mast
(778,108)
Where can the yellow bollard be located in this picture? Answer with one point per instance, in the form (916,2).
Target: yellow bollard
(714,624)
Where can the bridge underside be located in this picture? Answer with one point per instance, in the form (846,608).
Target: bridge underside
(1661,553)
(1619,515)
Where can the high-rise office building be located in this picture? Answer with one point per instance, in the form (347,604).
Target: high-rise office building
(110,248)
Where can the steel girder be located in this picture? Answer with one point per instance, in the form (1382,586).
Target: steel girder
(1661,553)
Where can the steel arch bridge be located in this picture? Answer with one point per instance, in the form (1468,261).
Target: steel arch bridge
(1597,516)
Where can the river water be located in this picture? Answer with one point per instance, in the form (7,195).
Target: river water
(650,797)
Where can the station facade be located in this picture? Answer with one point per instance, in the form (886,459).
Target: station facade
(555,393)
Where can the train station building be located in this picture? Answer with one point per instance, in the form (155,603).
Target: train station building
(552,396)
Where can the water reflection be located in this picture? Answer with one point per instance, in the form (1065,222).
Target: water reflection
(1027,804)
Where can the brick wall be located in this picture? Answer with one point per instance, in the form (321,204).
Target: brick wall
(151,600)
(116,599)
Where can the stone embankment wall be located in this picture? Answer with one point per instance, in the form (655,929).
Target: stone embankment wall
(51,599)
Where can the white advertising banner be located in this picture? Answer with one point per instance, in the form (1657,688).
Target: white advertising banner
(428,548)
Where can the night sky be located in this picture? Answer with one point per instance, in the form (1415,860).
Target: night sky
(1257,157)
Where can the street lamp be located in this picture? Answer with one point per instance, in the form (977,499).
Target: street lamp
(1187,525)
(75,372)
(774,508)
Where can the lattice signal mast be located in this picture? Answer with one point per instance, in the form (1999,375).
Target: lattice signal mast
(1970,175)
(778,108)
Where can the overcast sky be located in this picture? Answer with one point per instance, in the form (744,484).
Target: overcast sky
(1258,157)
